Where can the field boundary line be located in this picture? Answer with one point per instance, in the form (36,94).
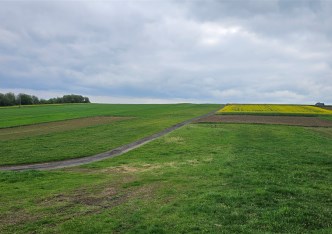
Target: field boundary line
(105,155)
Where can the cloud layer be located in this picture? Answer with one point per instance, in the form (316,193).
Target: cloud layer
(169,51)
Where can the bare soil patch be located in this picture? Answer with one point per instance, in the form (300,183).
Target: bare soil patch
(327,107)
(59,126)
(285,120)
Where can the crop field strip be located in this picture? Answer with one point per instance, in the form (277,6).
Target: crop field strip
(273,109)
(327,107)
(261,119)
(57,126)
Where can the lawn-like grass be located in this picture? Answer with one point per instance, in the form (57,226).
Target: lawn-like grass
(146,120)
(201,178)
(273,109)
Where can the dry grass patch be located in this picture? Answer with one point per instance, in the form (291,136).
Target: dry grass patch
(156,166)
(17,218)
(174,140)
(96,200)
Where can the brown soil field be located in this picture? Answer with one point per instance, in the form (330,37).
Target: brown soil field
(327,107)
(285,120)
(58,126)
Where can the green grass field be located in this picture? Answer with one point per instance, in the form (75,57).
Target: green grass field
(147,120)
(201,178)
(14,116)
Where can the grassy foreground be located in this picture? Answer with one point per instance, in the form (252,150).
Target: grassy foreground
(201,178)
(144,121)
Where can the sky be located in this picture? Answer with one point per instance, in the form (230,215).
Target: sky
(198,51)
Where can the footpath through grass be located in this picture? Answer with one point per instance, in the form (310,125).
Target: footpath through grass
(86,141)
(201,178)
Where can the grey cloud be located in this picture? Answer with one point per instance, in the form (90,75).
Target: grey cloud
(217,51)
(273,17)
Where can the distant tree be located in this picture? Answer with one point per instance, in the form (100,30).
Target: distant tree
(72,98)
(86,100)
(42,101)
(51,101)
(9,99)
(2,99)
(35,100)
(24,99)
(59,100)
(18,99)
(67,99)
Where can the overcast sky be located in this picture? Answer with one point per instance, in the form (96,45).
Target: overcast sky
(267,51)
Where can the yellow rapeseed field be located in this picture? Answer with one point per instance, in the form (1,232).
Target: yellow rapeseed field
(273,108)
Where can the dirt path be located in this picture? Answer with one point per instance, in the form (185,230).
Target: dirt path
(98,157)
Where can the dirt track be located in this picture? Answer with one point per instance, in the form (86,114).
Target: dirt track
(109,154)
(285,120)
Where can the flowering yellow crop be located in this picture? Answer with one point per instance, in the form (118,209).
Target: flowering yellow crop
(274,109)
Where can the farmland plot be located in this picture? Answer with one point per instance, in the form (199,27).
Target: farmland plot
(57,126)
(53,133)
(271,109)
(258,119)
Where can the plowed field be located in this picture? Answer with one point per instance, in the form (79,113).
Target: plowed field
(285,120)
(327,107)
(59,126)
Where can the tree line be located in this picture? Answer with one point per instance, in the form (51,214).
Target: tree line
(10,99)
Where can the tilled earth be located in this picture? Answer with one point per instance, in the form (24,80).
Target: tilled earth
(285,120)
(327,107)
(58,126)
